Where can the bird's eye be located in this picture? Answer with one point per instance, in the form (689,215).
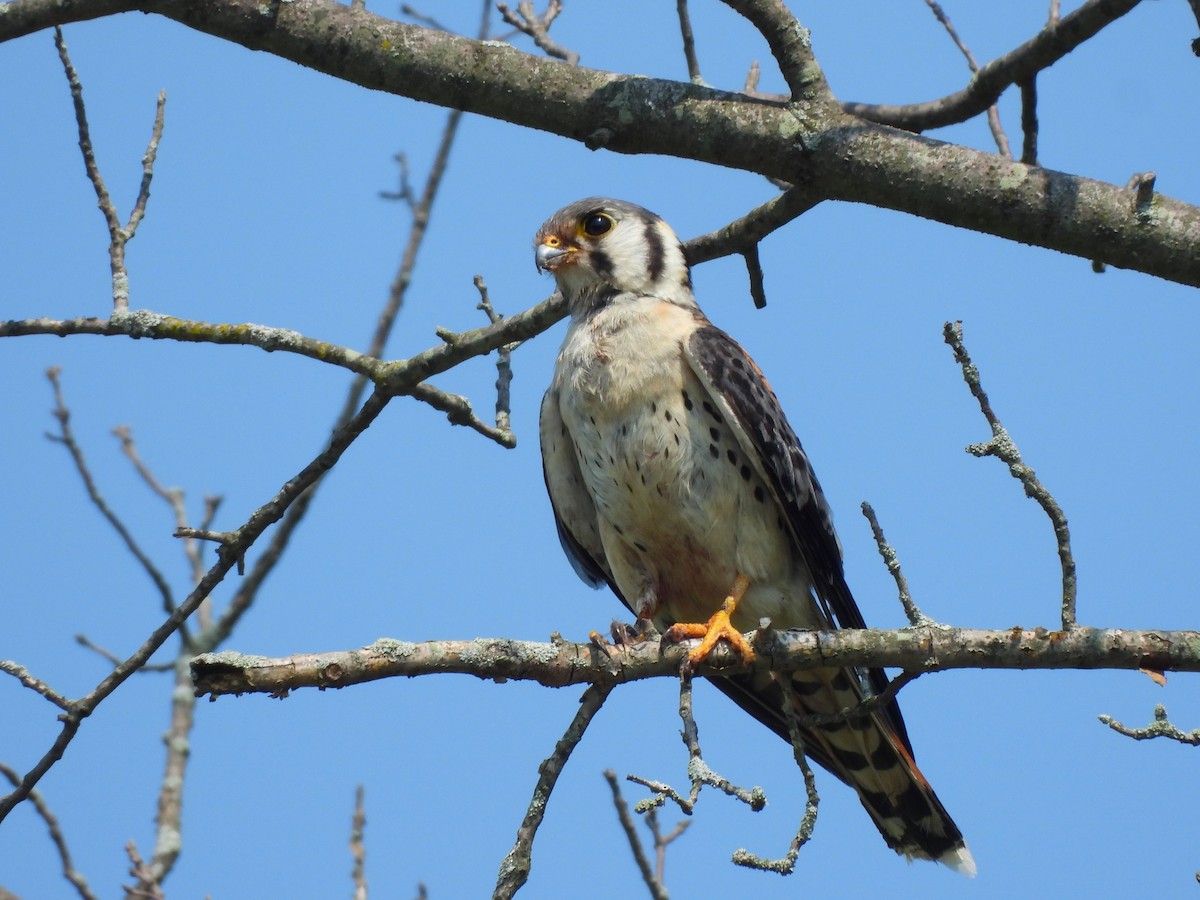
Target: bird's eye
(597,224)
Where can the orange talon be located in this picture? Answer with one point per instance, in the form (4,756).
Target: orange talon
(716,628)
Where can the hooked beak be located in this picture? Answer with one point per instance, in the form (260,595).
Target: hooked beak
(548,258)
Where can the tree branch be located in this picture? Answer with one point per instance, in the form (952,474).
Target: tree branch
(245,536)
(60,842)
(805,142)
(560,664)
(1005,449)
(514,869)
(1042,51)
(1160,727)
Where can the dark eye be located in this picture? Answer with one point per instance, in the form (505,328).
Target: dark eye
(597,224)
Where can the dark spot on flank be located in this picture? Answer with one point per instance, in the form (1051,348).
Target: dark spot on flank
(708,408)
(687,401)
(667,414)
(640,547)
(744,471)
(713,451)
(759,494)
(715,434)
(731,456)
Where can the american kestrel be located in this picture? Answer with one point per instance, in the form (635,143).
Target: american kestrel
(676,479)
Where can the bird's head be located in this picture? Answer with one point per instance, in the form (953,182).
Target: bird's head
(599,248)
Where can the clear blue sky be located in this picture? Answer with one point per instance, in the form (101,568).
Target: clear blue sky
(265,208)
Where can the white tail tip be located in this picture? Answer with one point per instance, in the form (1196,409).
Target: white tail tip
(960,860)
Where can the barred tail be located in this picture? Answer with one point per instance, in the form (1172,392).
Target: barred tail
(870,753)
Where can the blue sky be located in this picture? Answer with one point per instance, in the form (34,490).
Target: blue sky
(265,208)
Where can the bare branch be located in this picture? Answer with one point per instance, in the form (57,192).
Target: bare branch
(263,517)
(515,867)
(807,141)
(653,882)
(66,437)
(145,888)
(244,598)
(428,21)
(1029,121)
(358,850)
(689,42)
(892,561)
(699,772)
(22,675)
(743,234)
(787,864)
(663,841)
(1042,51)
(789,43)
(112,659)
(1160,727)
(504,371)
(993,113)
(526,21)
(924,649)
(118,236)
(60,842)
(1005,449)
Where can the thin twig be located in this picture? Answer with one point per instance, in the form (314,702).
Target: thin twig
(868,704)
(1029,121)
(808,823)
(145,888)
(247,591)
(56,835)
(504,373)
(358,850)
(993,112)
(84,641)
(892,561)
(1160,727)
(515,868)
(526,21)
(416,14)
(743,234)
(264,516)
(653,882)
(662,841)
(1040,52)
(689,42)
(36,685)
(118,236)
(66,437)
(699,772)
(1003,448)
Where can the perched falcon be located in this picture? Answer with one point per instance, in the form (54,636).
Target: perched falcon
(676,479)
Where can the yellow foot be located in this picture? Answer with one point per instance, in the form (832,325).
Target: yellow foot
(716,628)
